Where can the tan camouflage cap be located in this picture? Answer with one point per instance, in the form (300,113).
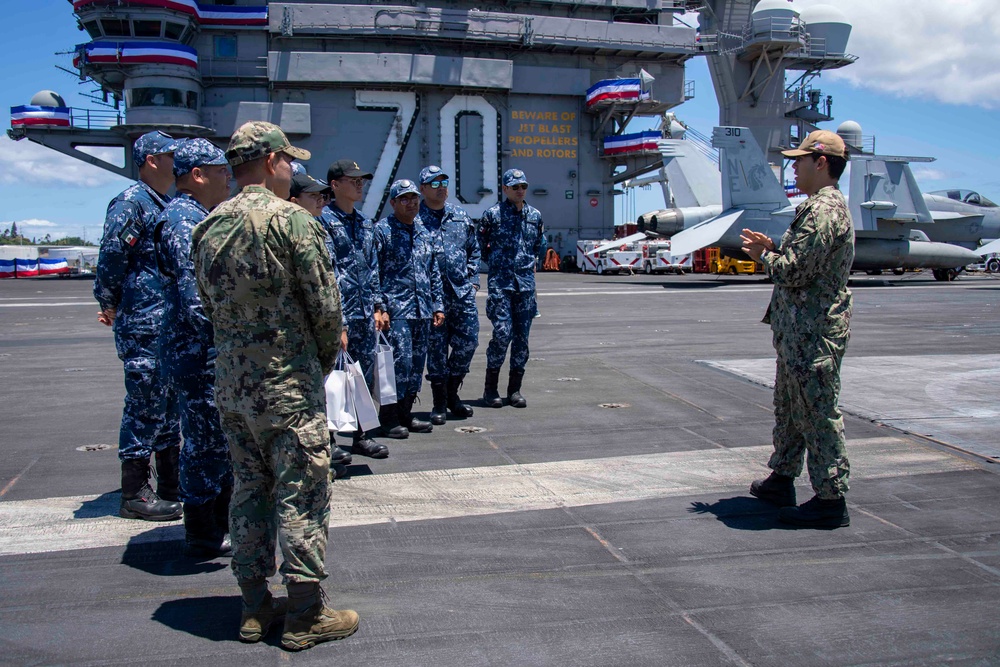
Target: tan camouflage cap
(820,142)
(257,139)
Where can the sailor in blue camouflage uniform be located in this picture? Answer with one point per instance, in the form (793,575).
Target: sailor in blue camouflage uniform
(127,287)
(312,194)
(511,237)
(810,317)
(410,280)
(453,345)
(349,242)
(187,351)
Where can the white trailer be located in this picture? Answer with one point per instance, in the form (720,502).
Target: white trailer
(596,263)
(657,258)
(629,260)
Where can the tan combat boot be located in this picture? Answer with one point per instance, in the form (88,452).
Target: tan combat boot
(260,610)
(310,621)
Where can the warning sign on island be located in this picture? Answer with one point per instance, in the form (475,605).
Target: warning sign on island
(593,201)
(543,134)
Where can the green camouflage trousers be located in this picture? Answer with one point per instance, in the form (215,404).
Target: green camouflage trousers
(281,469)
(806,414)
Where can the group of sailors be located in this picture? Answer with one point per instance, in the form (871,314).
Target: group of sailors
(412,277)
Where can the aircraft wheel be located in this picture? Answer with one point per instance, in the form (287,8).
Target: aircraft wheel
(898,272)
(939,274)
(874,272)
(993,266)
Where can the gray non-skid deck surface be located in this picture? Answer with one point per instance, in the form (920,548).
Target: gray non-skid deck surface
(564,534)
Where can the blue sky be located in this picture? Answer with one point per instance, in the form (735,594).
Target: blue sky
(927,83)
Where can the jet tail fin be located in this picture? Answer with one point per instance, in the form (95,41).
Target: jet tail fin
(884,188)
(747,181)
(693,178)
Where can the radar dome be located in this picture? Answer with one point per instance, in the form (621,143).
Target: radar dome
(47,98)
(770,16)
(828,29)
(850,132)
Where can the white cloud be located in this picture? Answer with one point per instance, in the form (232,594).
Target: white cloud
(923,49)
(27,163)
(31,222)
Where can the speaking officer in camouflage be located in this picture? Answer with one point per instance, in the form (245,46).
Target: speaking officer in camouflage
(452,345)
(410,278)
(511,237)
(349,242)
(810,315)
(127,287)
(187,351)
(266,284)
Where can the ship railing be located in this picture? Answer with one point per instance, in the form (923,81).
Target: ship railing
(95,119)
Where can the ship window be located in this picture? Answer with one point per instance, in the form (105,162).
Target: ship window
(174,30)
(225,46)
(159,97)
(146,28)
(116,28)
(192,100)
(93,29)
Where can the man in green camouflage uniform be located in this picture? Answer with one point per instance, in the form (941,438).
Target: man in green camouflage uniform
(810,315)
(266,283)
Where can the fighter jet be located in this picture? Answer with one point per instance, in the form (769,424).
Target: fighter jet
(885,201)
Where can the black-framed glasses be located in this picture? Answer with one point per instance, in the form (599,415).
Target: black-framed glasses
(439,184)
(519,186)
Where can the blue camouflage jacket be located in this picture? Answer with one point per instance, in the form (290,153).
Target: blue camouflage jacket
(458,250)
(185,342)
(127,279)
(408,269)
(349,242)
(511,240)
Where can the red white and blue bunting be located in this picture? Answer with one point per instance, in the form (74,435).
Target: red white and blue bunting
(616,90)
(135,53)
(227,15)
(632,143)
(29,115)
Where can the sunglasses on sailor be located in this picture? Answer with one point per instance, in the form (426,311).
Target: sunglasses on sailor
(519,186)
(360,182)
(439,184)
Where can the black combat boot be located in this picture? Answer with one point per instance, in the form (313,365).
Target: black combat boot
(406,416)
(168,470)
(139,501)
(817,513)
(514,389)
(362,445)
(459,410)
(202,536)
(776,489)
(388,416)
(491,395)
(439,413)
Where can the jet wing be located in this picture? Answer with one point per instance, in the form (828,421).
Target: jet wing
(941,216)
(984,250)
(638,236)
(705,234)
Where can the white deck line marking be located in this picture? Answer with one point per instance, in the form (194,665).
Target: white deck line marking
(92,304)
(50,524)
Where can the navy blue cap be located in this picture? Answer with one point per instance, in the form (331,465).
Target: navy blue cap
(514,177)
(428,174)
(402,187)
(152,143)
(303,182)
(196,153)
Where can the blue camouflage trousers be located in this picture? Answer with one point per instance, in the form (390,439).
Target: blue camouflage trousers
(150,421)
(511,313)
(453,344)
(409,339)
(204,462)
(361,345)
(282,492)
(806,415)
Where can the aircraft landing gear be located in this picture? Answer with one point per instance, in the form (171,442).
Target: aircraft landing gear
(945,275)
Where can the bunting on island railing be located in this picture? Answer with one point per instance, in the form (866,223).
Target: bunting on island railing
(135,53)
(30,115)
(632,143)
(616,90)
(227,15)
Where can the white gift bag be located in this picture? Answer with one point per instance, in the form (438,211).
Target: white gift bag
(362,406)
(385,372)
(338,399)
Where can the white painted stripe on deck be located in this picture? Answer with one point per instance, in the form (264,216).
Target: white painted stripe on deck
(48,525)
(38,304)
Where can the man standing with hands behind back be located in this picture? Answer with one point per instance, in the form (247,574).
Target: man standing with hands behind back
(810,315)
